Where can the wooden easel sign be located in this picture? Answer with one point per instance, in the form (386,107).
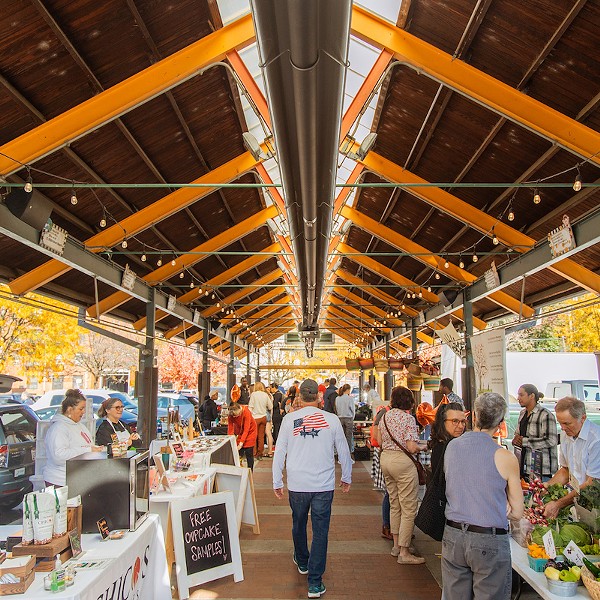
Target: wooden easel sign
(205,536)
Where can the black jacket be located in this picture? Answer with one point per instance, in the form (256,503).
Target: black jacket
(208,413)
(278,406)
(244,395)
(329,399)
(105,432)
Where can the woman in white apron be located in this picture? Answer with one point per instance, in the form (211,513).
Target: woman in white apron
(112,428)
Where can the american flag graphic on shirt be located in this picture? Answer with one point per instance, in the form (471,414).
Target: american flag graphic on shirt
(310,425)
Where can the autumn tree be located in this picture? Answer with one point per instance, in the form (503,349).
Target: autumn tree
(101,355)
(580,327)
(178,365)
(38,336)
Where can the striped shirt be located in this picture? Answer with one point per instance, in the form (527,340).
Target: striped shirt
(541,436)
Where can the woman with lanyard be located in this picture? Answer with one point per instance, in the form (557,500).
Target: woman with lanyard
(111,411)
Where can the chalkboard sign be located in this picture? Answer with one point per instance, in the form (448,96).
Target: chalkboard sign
(205,537)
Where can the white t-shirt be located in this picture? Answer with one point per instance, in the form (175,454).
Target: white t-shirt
(306,443)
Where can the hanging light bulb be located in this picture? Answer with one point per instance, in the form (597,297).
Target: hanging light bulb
(218,305)
(159,261)
(537,198)
(73,198)
(414,295)
(429,288)
(212,296)
(420,294)
(181,275)
(28,187)
(475,258)
(577,182)
(446,264)
(191,284)
(437,275)
(495,240)
(461,263)
(511,215)
(103,221)
(173,263)
(144,258)
(206,292)
(403,306)
(124,243)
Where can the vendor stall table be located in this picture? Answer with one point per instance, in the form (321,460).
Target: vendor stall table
(208,450)
(537,581)
(133,566)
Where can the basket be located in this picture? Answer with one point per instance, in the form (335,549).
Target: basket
(352,363)
(592,586)
(382,365)
(414,369)
(539,564)
(413,383)
(366,363)
(396,364)
(431,383)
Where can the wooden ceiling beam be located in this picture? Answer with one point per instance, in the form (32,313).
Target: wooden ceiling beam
(338,315)
(363,304)
(477,85)
(212,245)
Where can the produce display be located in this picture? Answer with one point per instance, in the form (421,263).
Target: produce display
(562,572)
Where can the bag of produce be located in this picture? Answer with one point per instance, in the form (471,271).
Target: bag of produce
(27,522)
(43,509)
(60,517)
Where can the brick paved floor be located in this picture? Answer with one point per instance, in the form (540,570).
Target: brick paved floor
(359,564)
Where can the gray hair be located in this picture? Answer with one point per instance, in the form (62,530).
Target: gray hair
(575,407)
(490,410)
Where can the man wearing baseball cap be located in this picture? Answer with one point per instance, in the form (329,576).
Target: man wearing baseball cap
(306,443)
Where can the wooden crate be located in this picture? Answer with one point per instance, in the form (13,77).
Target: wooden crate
(8,589)
(20,567)
(49,550)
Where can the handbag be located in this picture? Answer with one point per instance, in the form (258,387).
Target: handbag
(431,517)
(420,469)
(372,437)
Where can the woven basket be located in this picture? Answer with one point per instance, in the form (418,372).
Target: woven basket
(431,383)
(366,363)
(413,383)
(414,369)
(352,363)
(592,586)
(396,364)
(382,365)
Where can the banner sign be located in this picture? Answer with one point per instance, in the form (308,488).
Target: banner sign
(489,357)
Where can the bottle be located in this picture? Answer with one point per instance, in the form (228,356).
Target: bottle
(159,429)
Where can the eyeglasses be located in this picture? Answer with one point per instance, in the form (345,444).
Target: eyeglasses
(119,406)
(457,422)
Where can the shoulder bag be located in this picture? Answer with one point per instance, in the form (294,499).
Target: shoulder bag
(431,517)
(418,465)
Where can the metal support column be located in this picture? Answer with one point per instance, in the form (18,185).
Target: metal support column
(469,389)
(257,369)
(248,366)
(148,399)
(205,371)
(414,344)
(231,370)
(388,378)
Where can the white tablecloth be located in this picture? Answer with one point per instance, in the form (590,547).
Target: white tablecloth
(520,563)
(138,569)
(218,452)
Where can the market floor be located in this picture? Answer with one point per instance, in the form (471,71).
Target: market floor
(359,564)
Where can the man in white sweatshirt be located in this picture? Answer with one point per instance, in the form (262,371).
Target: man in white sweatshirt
(306,443)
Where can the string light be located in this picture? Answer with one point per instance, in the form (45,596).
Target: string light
(537,198)
(577,182)
(475,258)
(461,262)
(144,258)
(206,292)
(28,187)
(103,220)
(159,261)
(494,238)
(420,294)
(124,243)
(446,264)
(429,288)
(173,263)
(73,198)
(212,296)
(181,275)
(511,215)
(191,285)
(437,275)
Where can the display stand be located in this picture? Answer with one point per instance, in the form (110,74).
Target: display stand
(239,480)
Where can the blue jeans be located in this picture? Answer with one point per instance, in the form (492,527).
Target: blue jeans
(319,504)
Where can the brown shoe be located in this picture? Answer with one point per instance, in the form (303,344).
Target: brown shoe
(386,533)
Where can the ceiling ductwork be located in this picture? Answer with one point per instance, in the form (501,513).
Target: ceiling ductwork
(303,49)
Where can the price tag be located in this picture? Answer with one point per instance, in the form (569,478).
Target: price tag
(549,544)
(573,483)
(574,553)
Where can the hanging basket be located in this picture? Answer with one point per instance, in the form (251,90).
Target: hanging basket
(352,363)
(382,365)
(366,363)
(396,364)
(414,369)
(431,383)
(413,383)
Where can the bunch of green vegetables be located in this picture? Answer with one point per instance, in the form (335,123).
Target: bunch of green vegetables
(589,496)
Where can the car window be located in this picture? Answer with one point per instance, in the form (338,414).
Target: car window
(18,426)
(163,402)
(56,399)
(591,393)
(96,399)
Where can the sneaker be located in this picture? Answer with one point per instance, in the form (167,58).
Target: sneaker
(316,591)
(303,570)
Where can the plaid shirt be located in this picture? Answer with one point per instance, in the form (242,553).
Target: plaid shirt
(541,436)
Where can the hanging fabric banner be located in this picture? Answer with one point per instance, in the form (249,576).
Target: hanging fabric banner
(448,335)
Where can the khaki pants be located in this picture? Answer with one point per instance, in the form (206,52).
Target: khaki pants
(402,482)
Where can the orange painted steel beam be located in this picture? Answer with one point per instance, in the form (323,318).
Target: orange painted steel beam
(125,96)
(341,317)
(358,301)
(365,90)
(228,300)
(138,222)
(477,219)
(212,245)
(431,260)
(269,321)
(239,66)
(274,192)
(269,312)
(275,328)
(345,192)
(344,332)
(477,85)
(235,271)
